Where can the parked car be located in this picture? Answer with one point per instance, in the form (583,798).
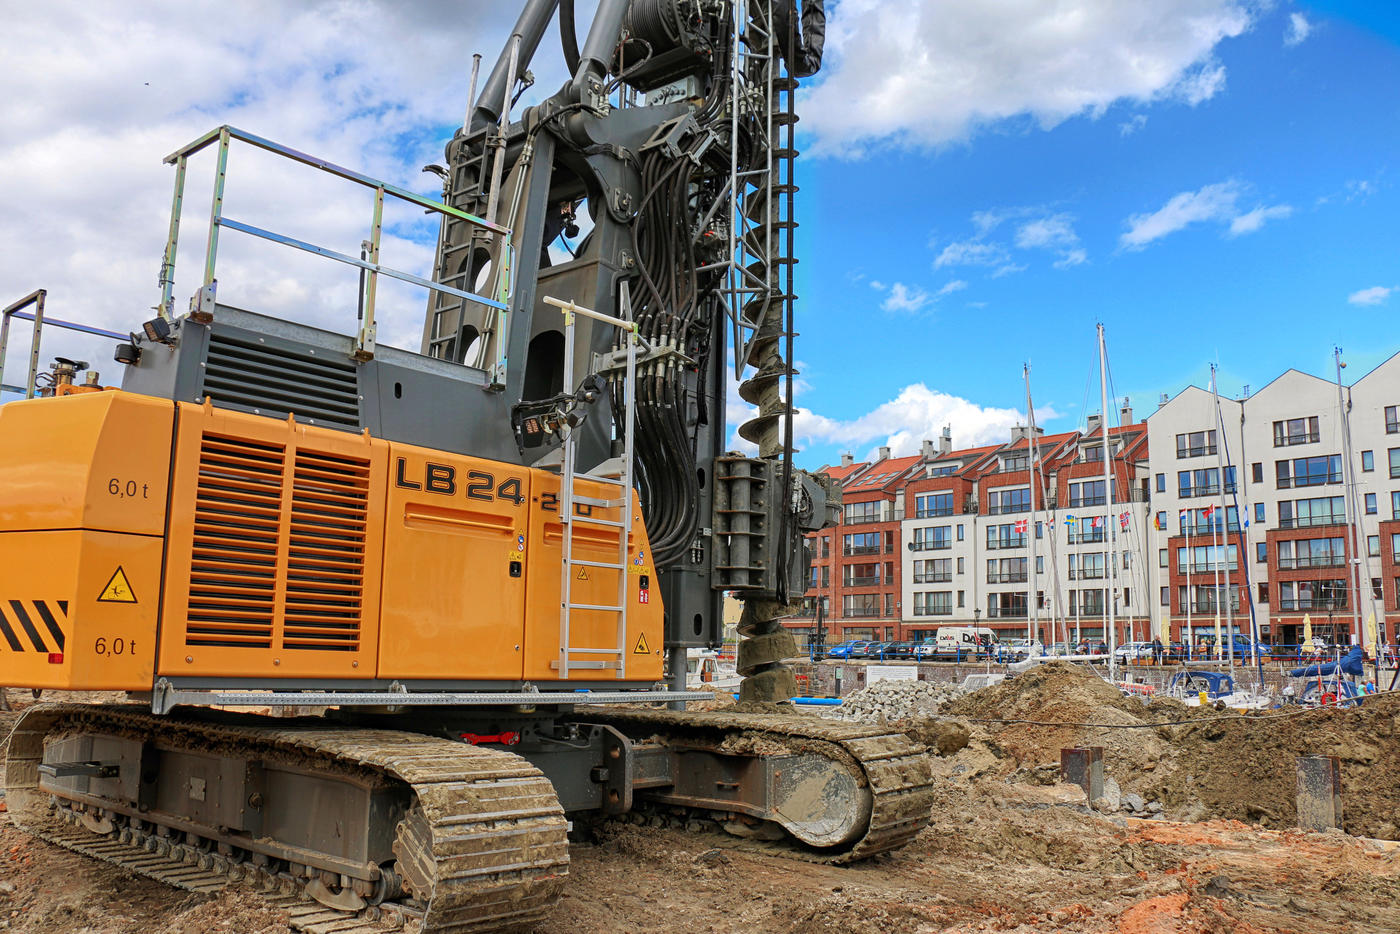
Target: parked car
(1133,651)
(1019,649)
(926,649)
(1060,648)
(843,649)
(882,650)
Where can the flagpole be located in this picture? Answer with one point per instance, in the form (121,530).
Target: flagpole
(1030,532)
(1223,557)
(1190,630)
(1110,592)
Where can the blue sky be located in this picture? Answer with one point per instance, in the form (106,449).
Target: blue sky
(982,182)
(1289,165)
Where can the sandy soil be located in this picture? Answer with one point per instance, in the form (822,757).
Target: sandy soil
(1008,849)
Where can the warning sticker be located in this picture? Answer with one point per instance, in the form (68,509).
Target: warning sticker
(118,589)
(641,648)
(582,574)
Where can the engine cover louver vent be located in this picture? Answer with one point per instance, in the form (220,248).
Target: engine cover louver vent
(271,380)
(278,553)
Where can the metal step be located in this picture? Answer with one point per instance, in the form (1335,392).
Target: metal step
(596,606)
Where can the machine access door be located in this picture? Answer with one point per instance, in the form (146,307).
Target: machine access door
(454,567)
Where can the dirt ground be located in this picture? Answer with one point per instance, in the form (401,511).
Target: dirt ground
(1008,848)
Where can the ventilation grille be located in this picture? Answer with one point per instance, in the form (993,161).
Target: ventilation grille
(326,552)
(276,381)
(233,563)
(257,561)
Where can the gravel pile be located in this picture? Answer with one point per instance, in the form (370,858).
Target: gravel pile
(896,700)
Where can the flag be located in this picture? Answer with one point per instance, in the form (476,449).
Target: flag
(1157,523)
(1123,521)
(1371,640)
(1094,522)
(1208,511)
(1021,527)
(1070,521)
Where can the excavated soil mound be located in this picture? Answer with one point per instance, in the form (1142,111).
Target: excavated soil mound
(1198,762)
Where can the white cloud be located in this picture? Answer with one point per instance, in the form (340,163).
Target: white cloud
(957,285)
(1132,124)
(1218,202)
(1008,270)
(971,253)
(1253,220)
(877,285)
(1071,258)
(110,90)
(1298,29)
(925,73)
(904,298)
(1055,233)
(1372,296)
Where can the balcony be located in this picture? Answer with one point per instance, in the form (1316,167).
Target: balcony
(862,581)
(1207,529)
(1082,501)
(1184,452)
(1210,606)
(1205,489)
(1006,612)
(1313,522)
(1007,510)
(852,550)
(1288,483)
(1312,561)
(1000,544)
(934,611)
(861,612)
(931,578)
(937,545)
(1007,577)
(1208,567)
(1086,574)
(1284,441)
(933,513)
(864,520)
(1310,604)
(1089,538)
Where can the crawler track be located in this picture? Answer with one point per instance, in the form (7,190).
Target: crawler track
(481,848)
(895,768)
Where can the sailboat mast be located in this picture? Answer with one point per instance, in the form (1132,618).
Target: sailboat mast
(1349,506)
(1111,591)
(1030,522)
(1222,557)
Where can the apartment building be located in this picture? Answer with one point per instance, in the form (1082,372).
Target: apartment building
(1256,502)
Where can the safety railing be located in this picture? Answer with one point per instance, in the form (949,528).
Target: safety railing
(16,310)
(202,304)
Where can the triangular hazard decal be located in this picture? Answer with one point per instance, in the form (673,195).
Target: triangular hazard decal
(641,648)
(118,589)
(582,574)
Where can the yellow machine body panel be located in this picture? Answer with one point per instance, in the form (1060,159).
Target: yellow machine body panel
(641,650)
(82,514)
(286,553)
(276,538)
(454,567)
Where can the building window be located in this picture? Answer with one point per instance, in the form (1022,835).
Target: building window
(960,595)
(1161,522)
(1261,552)
(1296,431)
(1005,502)
(1395,505)
(860,513)
(1392,419)
(860,605)
(1258,473)
(1376,588)
(861,543)
(1195,443)
(1161,483)
(1016,462)
(826,575)
(931,505)
(933,571)
(1088,493)
(1296,596)
(889,608)
(942,470)
(1373,546)
(1005,536)
(1204,482)
(1196,522)
(1166,598)
(1368,461)
(1263,591)
(960,532)
(934,538)
(862,575)
(1395,548)
(1309,513)
(1370,504)
(960,563)
(1039,529)
(1040,564)
(1088,567)
(1312,553)
(1087,530)
(1311,471)
(933,604)
(1206,559)
(1161,557)
(1259,513)
(1006,570)
(1006,605)
(826,546)
(1394,463)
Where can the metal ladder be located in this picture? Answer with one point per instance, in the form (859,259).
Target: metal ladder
(569,498)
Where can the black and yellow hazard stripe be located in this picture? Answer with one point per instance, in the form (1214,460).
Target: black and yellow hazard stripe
(16,619)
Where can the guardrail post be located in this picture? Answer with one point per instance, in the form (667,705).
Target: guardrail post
(364,343)
(205,300)
(172,242)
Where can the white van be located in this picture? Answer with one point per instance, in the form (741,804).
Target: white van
(963,641)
